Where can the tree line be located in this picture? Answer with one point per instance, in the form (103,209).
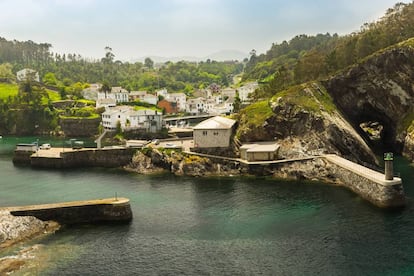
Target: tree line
(306,58)
(64,70)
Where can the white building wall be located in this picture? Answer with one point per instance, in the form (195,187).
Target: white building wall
(212,138)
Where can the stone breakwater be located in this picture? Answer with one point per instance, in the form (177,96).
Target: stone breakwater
(111,210)
(368,184)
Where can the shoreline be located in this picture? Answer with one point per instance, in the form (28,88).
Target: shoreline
(15,230)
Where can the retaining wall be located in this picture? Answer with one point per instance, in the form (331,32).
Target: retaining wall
(107,158)
(116,211)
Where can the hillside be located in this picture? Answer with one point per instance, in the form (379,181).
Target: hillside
(369,105)
(306,58)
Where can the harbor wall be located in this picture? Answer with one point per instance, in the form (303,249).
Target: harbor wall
(114,211)
(382,194)
(107,158)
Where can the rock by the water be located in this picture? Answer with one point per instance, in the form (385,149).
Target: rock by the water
(15,229)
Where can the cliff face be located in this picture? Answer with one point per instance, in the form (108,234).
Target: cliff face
(156,161)
(379,89)
(369,106)
(304,121)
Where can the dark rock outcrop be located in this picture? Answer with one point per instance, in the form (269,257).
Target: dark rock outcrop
(178,163)
(302,131)
(379,89)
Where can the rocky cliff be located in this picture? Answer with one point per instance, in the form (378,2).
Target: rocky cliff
(380,90)
(152,160)
(304,121)
(367,107)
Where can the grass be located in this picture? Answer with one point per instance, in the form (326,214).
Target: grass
(8,90)
(53,95)
(310,96)
(257,113)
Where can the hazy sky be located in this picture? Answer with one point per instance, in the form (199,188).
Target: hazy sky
(137,28)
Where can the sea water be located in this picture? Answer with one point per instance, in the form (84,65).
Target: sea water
(214,226)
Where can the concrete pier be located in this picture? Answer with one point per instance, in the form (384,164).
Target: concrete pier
(60,158)
(369,184)
(114,210)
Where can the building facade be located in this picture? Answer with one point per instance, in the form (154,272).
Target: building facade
(215,132)
(148,120)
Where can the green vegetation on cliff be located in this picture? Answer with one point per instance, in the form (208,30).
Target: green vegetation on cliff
(310,96)
(253,116)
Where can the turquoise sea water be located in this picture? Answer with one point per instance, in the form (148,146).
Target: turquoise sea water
(215,226)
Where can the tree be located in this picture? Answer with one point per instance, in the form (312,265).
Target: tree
(237,102)
(105,88)
(109,56)
(50,79)
(6,73)
(149,63)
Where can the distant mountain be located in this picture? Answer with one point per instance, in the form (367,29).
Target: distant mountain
(223,55)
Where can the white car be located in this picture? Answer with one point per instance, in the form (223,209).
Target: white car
(45,146)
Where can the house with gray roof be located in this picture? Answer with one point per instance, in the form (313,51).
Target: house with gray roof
(215,132)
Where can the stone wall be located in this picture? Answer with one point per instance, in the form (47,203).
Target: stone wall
(379,194)
(386,196)
(107,158)
(80,127)
(82,214)
(22,157)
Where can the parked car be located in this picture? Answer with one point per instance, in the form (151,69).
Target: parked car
(45,146)
(77,145)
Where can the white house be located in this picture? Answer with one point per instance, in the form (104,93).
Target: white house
(151,99)
(179,98)
(195,106)
(209,106)
(228,93)
(27,74)
(137,95)
(215,132)
(131,119)
(227,107)
(246,90)
(107,103)
(259,151)
(162,92)
(119,94)
(147,119)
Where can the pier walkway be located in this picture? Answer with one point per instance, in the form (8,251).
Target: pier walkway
(361,170)
(111,201)
(111,210)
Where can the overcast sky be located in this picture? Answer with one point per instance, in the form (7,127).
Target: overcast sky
(138,28)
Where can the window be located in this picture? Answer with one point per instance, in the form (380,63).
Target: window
(205,132)
(215,133)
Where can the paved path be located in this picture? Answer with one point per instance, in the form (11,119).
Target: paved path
(112,201)
(361,170)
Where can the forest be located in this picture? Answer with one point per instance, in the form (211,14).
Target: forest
(69,72)
(306,58)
